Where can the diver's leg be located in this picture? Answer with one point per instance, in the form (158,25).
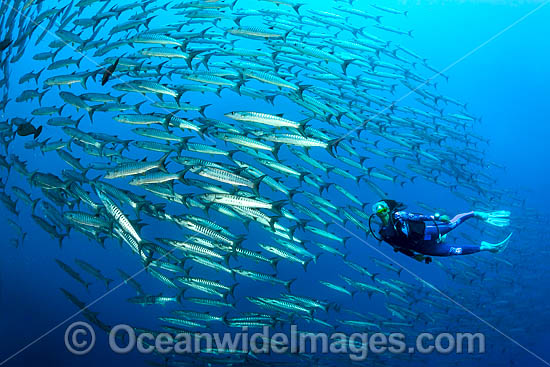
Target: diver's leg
(434,248)
(495,247)
(458,220)
(445,249)
(442,228)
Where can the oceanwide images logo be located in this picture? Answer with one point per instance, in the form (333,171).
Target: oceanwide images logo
(80,339)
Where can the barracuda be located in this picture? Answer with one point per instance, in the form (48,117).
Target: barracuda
(299,249)
(135,119)
(285,255)
(182,322)
(211,264)
(117,215)
(337,288)
(158,134)
(264,277)
(222,175)
(256,32)
(234,200)
(159,39)
(272,79)
(209,283)
(156,178)
(136,168)
(67,80)
(152,300)
(265,119)
(204,289)
(195,227)
(87,219)
(246,141)
(296,140)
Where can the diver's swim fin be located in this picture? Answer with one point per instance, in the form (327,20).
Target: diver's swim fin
(497,247)
(500,218)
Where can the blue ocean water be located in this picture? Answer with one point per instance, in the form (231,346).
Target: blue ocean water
(504,81)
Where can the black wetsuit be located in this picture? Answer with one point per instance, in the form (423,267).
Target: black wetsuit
(410,233)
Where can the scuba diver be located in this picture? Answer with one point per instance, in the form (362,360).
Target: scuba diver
(417,235)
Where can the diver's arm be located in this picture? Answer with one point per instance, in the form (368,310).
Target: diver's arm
(405,251)
(414,255)
(413,217)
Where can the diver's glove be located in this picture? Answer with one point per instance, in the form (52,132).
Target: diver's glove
(422,258)
(441,218)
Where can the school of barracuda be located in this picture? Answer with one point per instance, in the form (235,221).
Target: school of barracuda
(318,114)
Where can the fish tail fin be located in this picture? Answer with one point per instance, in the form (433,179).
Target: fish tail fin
(316,257)
(238,241)
(179,297)
(289,283)
(61,237)
(302,88)
(138,105)
(346,64)
(226,258)
(192,55)
(37,76)
(285,36)
(332,145)
(278,205)
(40,96)
(159,66)
(232,289)
(303,125)
(147,21)
(162,162)
(203,108)
(238,19)
(83,81)
(91,114)
(274,262)
(108,281)
(345,240)
(276,149)
(33,206)
(37,132)
(306,263)
(256,184)
(225,320)
(78,123)
(297,8)
(181,175)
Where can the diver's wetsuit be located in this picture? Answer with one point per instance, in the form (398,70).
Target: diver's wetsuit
(420,233)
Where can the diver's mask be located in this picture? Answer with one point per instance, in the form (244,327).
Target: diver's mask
(380,208)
